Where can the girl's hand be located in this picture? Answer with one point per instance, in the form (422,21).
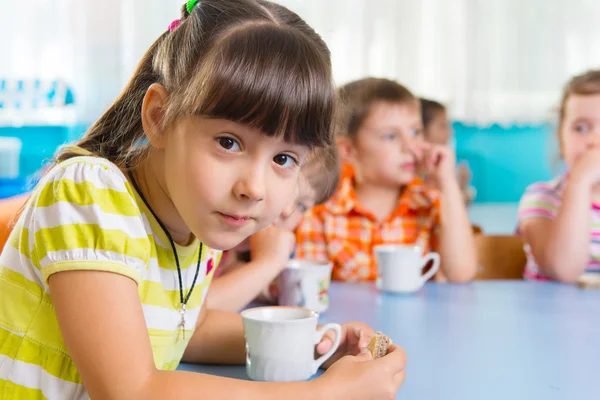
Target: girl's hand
(272,245)
(355,337)
(362,378)
(587,168)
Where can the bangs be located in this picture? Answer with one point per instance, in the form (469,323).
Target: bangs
(268,77)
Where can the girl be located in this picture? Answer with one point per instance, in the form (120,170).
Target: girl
(560,220)
(103,280)
(438,130)
(242,279)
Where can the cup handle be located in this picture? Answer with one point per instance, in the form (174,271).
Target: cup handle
(336,343)
(435,257)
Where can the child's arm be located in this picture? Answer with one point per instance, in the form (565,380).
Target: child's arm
(456,244)
(218,339)
(561,245)
(102,323)
(271,248)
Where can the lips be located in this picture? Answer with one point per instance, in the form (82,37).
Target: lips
(235,220)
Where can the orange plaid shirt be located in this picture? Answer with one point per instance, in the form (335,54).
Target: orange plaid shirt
(344,232)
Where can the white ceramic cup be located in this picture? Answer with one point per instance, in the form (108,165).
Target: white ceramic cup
(400,268)
(280,343)
(305,284)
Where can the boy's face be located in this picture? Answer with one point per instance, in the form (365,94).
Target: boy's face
(292,214)
(383,152)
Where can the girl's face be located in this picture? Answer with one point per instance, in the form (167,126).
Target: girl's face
(580,129)
(303,200)
(439,130)
(228,180)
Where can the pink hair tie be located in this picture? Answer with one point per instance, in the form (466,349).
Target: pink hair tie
(174,25)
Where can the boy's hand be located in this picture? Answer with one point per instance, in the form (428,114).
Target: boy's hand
(440,163)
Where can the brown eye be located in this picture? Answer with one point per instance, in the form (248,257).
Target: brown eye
(284,160)
(228,143)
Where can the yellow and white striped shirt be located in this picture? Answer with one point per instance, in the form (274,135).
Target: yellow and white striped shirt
(84,215)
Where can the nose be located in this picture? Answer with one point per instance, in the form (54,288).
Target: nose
(413,146)
(594,140)
(251,185)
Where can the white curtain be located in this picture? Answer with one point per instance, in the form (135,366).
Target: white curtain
(501,61)
(92,45)
(491,61)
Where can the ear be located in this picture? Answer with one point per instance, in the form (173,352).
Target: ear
(346,148)
(153,113)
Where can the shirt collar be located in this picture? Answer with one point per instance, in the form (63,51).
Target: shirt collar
(416,196)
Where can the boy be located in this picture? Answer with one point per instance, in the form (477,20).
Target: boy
(380,198)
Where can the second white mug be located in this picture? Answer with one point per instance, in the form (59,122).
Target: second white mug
(400,267)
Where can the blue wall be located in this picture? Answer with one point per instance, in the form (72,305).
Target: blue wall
(505,160)
(39,145)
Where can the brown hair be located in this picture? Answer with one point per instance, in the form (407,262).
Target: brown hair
(587,83)
(429,110)
(322,171)
(249,61)
(358,98)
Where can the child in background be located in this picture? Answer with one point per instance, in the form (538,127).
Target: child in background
(263,256)
(9,210)
(383,201)
(438,130)
(559,220)
(103,279)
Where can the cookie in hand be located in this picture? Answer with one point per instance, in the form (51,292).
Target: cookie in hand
(379,345)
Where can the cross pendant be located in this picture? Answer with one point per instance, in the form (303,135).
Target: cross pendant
(182,322)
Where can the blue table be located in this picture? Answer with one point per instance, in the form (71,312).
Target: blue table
(486,340)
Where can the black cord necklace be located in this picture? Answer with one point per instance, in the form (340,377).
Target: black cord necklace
(183,301)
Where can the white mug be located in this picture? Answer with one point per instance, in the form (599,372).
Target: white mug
(400,267)
(305,284)
(280,343)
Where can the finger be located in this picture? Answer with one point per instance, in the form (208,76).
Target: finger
(354,331)
(418,148)
(364,339)
(437,155)
(399,378)
(324,346)
(364,355)
(395,358)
